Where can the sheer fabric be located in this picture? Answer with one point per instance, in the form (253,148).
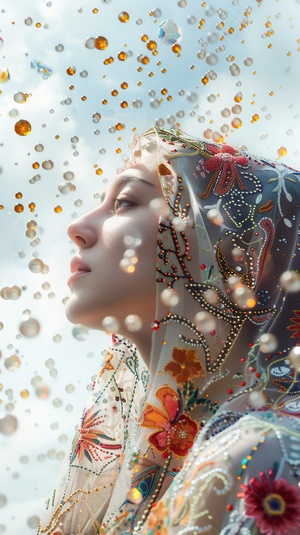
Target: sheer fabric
(212,444)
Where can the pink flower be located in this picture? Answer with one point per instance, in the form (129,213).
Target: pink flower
(274,504)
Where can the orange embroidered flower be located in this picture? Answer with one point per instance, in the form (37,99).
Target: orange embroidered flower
(296,326)
(185,365)
(155,522)
(176,431)
(107,365)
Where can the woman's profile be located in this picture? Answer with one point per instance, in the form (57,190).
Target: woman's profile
(192,263)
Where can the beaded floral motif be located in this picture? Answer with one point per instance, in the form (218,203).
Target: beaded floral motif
(295,327)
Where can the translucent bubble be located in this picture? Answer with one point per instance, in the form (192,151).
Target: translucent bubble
(133,323)
(205,322)
(50,363)
(69,388)
(90,43)
(211,296)
(2,528)
(248,62)
(39,147)
(294,358)
(53,373)
(244,297)
(234,69)
(211,98)
(179,223)
(191,19)
(224,128)
(137,103)
(42,391)
(69,408)
(211,59)
(11,293)
(139,22)
(63,438)
(13,113)
(169,32)
(78,203)
(83,74)
(57,338)
(12,363)
(36,265)
(257,400)
(236,109)
(57,402)
(202,54)
(47,164)
(24,459)
(169,297)
(30,328)
(268,343)
(59,47)
(80,332)
(236,122)
(156,12)
(19,97)
(28,21)
(33,522)
(215,217)
(66,188)
(1,325)
(3,500)
(290,281)
(68,175)
(22,127)
(8,424)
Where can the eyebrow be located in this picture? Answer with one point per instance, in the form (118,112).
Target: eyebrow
(126,179)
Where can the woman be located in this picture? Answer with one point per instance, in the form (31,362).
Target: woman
(201,434)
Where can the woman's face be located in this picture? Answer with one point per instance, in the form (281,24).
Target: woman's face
(124,226)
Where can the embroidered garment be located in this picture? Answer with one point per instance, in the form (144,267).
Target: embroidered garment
(212,444)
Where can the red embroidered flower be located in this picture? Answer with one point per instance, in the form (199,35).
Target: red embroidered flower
(176,431)
(185,365)
(223,166)
(296,326)
(274,504)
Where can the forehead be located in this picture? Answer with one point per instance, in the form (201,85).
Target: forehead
(144,169)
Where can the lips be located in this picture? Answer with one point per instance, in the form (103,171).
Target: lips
(78,269)
(78,265)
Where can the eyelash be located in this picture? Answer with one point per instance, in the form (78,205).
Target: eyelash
(122,200)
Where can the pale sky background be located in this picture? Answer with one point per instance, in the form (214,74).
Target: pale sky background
(268,79)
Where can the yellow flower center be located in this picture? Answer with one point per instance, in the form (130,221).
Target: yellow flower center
(274,504)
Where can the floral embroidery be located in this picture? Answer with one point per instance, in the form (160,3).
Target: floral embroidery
(155,522)
(295,327)
(185,365)
(107,365)
(176,431)
(275,505)
(89,443)
(223,166)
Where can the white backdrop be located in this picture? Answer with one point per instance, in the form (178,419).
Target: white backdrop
(235,76)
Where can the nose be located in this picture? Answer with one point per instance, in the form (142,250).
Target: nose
(82,232)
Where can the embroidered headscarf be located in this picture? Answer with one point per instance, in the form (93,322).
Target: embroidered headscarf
(225,335)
